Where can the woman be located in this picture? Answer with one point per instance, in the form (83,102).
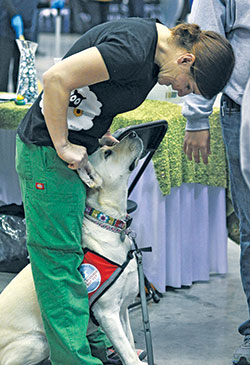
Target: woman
(109,70)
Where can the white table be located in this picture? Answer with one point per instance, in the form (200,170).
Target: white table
(9,184)
(186,229)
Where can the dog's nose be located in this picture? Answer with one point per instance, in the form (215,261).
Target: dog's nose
(132,134)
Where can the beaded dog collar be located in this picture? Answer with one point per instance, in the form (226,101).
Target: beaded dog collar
(104,218)
(107,222)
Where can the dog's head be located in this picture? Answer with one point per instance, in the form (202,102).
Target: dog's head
(110,165)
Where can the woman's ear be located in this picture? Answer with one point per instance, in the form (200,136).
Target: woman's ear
(187,58)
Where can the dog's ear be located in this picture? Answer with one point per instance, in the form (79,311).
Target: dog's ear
(89,176)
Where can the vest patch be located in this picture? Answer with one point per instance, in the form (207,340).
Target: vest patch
(95,270)
(91,276)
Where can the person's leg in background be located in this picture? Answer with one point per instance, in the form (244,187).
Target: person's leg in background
(54,198)
(78,12)
(94,12)
(136,8)
(98,341)
(104,10)
(15,71)
(231,121)
(6,53)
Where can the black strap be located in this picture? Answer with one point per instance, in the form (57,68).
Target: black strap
(230,103)
(102,289)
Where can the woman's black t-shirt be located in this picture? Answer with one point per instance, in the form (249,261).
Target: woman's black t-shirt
(128,48)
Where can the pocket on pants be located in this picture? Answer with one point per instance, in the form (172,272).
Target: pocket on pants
(54,223)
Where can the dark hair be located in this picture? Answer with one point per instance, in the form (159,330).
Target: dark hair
(214,57)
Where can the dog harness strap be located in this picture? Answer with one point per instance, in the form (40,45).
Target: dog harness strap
(99,274)
(105,286)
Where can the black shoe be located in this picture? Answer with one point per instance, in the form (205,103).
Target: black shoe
(114,359)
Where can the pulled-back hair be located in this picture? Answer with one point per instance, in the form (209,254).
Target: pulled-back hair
(214,57)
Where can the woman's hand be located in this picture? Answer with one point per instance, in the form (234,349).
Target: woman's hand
(196,143)
(76,156)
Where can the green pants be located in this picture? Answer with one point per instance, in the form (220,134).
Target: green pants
(54,201)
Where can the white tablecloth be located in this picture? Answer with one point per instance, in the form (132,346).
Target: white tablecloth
(9,184)
(186,229)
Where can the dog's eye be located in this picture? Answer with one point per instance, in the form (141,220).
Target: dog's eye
(107,153)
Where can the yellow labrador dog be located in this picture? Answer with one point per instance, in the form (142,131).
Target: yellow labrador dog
(22,337)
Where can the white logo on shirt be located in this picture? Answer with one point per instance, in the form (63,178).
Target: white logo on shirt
(83,108)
